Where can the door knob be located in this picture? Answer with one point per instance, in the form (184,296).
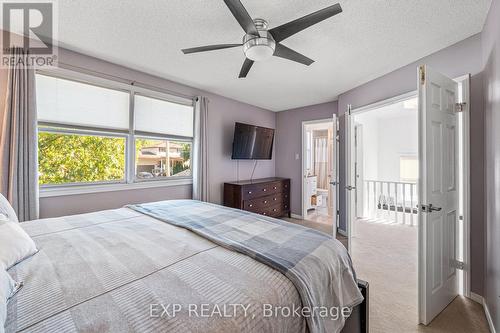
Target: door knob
(430,208)
(350,188)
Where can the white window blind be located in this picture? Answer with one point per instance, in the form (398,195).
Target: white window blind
(74,103)
(158,116)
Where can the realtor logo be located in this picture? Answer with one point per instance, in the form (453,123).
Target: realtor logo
(31,26)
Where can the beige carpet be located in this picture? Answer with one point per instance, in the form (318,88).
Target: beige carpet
(385,255)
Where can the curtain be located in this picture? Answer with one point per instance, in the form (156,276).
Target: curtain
(321,161)
(18,140)
(201,184)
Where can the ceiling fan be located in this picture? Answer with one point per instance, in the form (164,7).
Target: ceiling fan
(259,43)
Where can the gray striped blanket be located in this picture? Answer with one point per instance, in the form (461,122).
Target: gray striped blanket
(318,265)
(111,271)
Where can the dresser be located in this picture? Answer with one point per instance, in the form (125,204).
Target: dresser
(266,196)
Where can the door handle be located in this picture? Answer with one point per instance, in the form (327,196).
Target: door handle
(333,183)
(350,188)
(430,208)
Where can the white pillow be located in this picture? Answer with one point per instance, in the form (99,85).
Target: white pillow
(7,210)
(7,289)
(15,244)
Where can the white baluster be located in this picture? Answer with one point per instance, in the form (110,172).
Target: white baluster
(404,203)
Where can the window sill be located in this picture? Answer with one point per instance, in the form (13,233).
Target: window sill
(58,191)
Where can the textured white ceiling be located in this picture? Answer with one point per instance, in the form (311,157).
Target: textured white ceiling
(370,38)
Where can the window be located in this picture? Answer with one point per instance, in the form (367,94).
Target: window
(74,158)
(408,169)
(87,134)
(162,158)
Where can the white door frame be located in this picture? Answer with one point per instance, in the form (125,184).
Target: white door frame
(464,285)
(333,120)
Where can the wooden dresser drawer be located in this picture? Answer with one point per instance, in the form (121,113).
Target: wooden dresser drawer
(255,191)
(272,211)
(262,202)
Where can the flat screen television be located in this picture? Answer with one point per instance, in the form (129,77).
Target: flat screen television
(252,142)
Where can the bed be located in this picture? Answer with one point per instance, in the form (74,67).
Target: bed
(124,270)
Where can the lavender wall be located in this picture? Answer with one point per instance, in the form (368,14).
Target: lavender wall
(223,112)
(289,143)
(491,76)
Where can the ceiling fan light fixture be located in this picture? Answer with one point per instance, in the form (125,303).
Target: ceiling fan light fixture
(259,48)
(259,43)
(259,52)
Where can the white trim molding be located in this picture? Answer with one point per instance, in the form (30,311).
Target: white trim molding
(480,299)
(476,298)
(58,191)
(488,317)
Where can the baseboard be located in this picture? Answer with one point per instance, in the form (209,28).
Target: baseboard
(480,299)
(296,216)
(488,317)
(477,298)
(342,232)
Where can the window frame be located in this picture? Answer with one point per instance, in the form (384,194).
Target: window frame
(130,181)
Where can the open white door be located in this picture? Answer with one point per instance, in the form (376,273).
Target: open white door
(350,186)
(332,174)
(438,197)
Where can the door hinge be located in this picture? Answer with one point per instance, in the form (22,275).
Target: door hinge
(459,265)
(422,75)
(460,107)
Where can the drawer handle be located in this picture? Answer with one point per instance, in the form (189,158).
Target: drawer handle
(275,199)
(264,213)
(250,205)
(249,192)
(264,189)
(274,209)
(275,188)
(265,201)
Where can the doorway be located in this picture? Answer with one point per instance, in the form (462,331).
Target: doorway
(399,241)
(319,172)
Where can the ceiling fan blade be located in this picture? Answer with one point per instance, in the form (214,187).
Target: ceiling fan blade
(287,53)
(209,48)
(288,29)
(241,15)
(245,68)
